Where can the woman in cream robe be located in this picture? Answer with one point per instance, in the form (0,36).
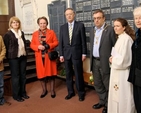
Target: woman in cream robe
(120,98)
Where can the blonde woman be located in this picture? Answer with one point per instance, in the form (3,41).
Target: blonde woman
(16,54)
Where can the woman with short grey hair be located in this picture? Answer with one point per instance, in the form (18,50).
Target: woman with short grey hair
(135,71)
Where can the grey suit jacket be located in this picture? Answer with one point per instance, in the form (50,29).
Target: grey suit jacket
(108,40)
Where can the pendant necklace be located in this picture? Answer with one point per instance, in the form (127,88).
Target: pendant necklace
(96,41)
(97,38)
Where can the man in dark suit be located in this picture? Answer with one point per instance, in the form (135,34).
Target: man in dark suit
(72,49)
(102,39)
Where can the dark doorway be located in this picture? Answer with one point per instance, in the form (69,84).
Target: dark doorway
(5,14)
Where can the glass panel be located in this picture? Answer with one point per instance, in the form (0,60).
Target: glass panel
(4,7)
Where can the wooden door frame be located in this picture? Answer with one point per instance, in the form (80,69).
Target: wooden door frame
(4,19)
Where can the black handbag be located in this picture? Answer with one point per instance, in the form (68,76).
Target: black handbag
(53,55)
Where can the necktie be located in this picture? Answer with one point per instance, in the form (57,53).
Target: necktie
(70,32)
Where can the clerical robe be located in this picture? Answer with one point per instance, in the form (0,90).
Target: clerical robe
(120,99)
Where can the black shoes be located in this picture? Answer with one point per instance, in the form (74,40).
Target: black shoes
(81,98)
(25,97)
(104,110)
(53,95)
(43,95)
(69,96)
(97,106)
(19,99)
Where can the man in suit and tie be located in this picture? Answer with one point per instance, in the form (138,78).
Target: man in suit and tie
(72,49)
(102,39)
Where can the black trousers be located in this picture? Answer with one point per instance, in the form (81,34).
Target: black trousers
(77,66)
(18,74)
(137,98)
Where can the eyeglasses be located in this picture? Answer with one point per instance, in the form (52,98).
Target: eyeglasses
(98,18)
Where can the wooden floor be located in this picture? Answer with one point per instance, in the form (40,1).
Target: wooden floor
(49,105)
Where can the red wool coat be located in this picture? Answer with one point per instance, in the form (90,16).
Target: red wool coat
(49,68)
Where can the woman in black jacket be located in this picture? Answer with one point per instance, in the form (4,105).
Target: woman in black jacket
(16,54)
(135,70)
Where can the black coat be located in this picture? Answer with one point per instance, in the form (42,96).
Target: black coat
(135,70)
(11,44)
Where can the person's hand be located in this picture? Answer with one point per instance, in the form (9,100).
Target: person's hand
(41,47)
(110,59)
(61,59)
(83,57)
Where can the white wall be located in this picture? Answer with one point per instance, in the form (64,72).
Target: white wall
(18,10)
(39,8)
(35,8)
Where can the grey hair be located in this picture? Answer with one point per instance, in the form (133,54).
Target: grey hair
(137,11)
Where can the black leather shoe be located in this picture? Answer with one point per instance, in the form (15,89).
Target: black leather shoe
(81,98)
(25,97)
(104,110)
(43,95)
(53,95)
(69,96)
(19,99)
(97,106)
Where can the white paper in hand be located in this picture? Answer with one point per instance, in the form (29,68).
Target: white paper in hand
(114,53)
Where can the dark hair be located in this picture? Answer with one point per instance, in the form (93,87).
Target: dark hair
(128,29)
(70,9)
(43,17)
(99,11)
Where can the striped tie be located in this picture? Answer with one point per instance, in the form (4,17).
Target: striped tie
(70,32)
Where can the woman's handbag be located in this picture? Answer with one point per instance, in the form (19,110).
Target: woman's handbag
(53,55)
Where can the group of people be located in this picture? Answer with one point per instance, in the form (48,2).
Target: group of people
(13,47)
(114,60)
(72,50)
(115,63)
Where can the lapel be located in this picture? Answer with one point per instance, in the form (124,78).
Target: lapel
(93,32)
(67,30)
(103,34)
(74,30)
(13,35)
(92,38)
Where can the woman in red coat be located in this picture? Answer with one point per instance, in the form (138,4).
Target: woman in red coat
(43,41)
